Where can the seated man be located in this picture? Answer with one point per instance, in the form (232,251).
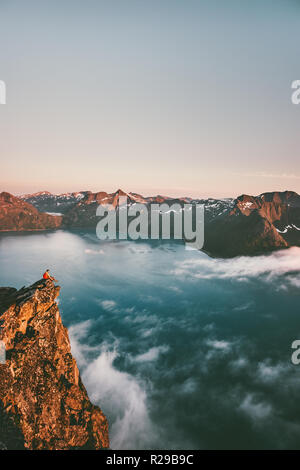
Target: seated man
(47,276)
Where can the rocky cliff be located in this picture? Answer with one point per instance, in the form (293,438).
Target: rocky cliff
(18,215)
(255,224)
(43,403)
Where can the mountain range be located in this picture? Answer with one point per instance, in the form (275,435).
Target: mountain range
(246,225)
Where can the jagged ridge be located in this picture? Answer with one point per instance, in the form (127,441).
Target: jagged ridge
(18,215)
(248,225)
(43,403)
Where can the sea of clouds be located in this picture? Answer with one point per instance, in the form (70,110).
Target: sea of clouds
(234,381)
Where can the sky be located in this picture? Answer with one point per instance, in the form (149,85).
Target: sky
(175,97)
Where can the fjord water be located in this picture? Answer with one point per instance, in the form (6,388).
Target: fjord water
(178,349)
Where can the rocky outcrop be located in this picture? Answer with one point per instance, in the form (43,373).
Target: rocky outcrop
(17,215)
(256,224)
(43,403)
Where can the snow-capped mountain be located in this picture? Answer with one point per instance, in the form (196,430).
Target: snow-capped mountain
(54,203)
(255,224)
(242,226)
(18,215)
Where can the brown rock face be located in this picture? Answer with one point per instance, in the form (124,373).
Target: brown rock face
(16,215)
(83,214)
(256,224)
(43,403)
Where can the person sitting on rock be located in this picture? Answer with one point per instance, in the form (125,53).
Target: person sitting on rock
(47,276)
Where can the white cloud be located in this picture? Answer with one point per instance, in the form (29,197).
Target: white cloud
(109,305)
(295,281)
(143,317)
(238,364)
(147,332)
(241,308)
(89,251)
(254,408)
(209,327)
(218,349)
(269,373)
(189,386)
(151,355)
(150,298)
(121,396)
(242,268)
(175,289)
(80,351)
(216,344)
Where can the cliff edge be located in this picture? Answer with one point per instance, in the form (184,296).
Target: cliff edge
(43,403)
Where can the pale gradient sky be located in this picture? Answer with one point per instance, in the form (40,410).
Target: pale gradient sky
(180,97)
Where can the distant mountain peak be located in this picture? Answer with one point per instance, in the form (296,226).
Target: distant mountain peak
(5,196)
(120,192)
(39,193)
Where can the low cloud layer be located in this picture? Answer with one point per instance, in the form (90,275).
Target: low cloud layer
(206,366)
(151,355)
(242,268)
(121,396)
